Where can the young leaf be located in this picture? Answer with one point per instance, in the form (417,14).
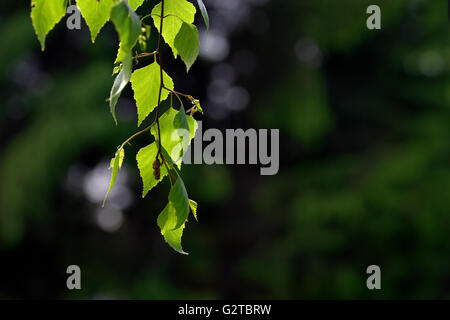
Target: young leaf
(178,11)
(193,206)
(116,164)
(128,27)
(45,15)
(197,105)
(117,69)
(204,12)
(187,44)
(179,200)
(166,220)
(145,158)
(134,4)
(96,14)
(121,158)
(145,83)
(120,82)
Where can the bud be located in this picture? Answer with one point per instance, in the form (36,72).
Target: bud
(156,169)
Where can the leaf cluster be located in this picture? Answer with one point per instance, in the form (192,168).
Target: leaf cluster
(173,130)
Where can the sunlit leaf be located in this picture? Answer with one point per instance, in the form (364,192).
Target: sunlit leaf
(146,83)
(96,14)
(194,207)
(121,158)
(45,15)
(116,163)
(145,158)
(176,11)
(134,4)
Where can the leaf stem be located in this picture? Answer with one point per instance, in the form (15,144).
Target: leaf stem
(188,97)
(145,54)
(170,173)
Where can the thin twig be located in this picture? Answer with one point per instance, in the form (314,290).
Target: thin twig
(145,54)
(159,16)
(188,97)
(160,76)
(135,135)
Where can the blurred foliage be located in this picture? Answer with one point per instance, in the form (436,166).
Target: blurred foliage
(364,176)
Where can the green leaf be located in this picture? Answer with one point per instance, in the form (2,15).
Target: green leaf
(179,200)
(204,12)
(174,140)
(45,15)
(116,164)
(166,220)
(145,83)
(134,4)
(180,120)
(178,11)
(120,83)
(173,218)
(145,158)
(193,206)
(96,14)
(170,163)
(121,158)
(182,129)
(128,27)
(187,44)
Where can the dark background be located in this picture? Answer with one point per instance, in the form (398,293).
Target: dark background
(364,178)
